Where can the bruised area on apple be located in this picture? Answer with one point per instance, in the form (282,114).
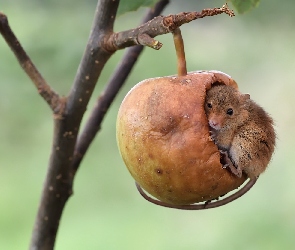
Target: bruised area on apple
(163,138)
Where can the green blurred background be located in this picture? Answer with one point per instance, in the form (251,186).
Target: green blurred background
(106,212)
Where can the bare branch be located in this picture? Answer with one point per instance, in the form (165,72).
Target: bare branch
(112,88)
(59,180)
(49,95)
(205,205)
(57,187)
(160,25)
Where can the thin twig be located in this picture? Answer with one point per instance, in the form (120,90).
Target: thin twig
(203,206)
(112,88)
(49,95)
(160,25)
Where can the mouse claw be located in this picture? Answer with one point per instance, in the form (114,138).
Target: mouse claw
(224,153)
(225,166)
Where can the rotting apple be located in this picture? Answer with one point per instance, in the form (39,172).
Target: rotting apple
(163,138)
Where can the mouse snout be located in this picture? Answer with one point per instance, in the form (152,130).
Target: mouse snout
(215,122)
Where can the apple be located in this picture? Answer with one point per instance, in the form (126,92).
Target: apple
(163,138)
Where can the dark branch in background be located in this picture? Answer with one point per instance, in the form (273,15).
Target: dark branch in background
(112,88)
(160,25)
(51,97)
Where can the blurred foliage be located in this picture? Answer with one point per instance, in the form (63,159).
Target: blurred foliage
(132,5)
(243,6)
(106,212)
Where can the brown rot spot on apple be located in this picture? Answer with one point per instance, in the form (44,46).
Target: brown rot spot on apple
(173,141)
(151,156)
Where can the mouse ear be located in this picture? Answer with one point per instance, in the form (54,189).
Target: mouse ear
(246,97)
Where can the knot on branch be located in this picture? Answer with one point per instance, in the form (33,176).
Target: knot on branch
(227,10)
(60,106)
(145,39)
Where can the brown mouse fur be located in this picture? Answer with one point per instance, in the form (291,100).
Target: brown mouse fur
(241,129)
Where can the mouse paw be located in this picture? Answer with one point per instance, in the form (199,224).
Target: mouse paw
(236,171)
(229,164)
(225,166)
(225,156)
(212,136)
(239,173)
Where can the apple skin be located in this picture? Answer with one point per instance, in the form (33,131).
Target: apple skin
(163,138)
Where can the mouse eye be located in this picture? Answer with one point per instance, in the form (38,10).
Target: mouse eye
(230,111)
(209,105)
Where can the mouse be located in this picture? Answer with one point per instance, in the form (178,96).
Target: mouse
(242,130)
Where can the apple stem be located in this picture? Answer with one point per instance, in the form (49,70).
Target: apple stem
(179,47)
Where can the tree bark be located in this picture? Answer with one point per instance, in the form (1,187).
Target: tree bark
(59,180)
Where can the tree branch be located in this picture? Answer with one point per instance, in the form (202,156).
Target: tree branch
(59,180)
(94,58)
(112,88)
(49,95)
(160,25)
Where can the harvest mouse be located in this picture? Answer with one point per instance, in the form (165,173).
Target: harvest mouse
(241,129)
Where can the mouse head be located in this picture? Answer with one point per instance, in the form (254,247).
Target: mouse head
(225,107)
